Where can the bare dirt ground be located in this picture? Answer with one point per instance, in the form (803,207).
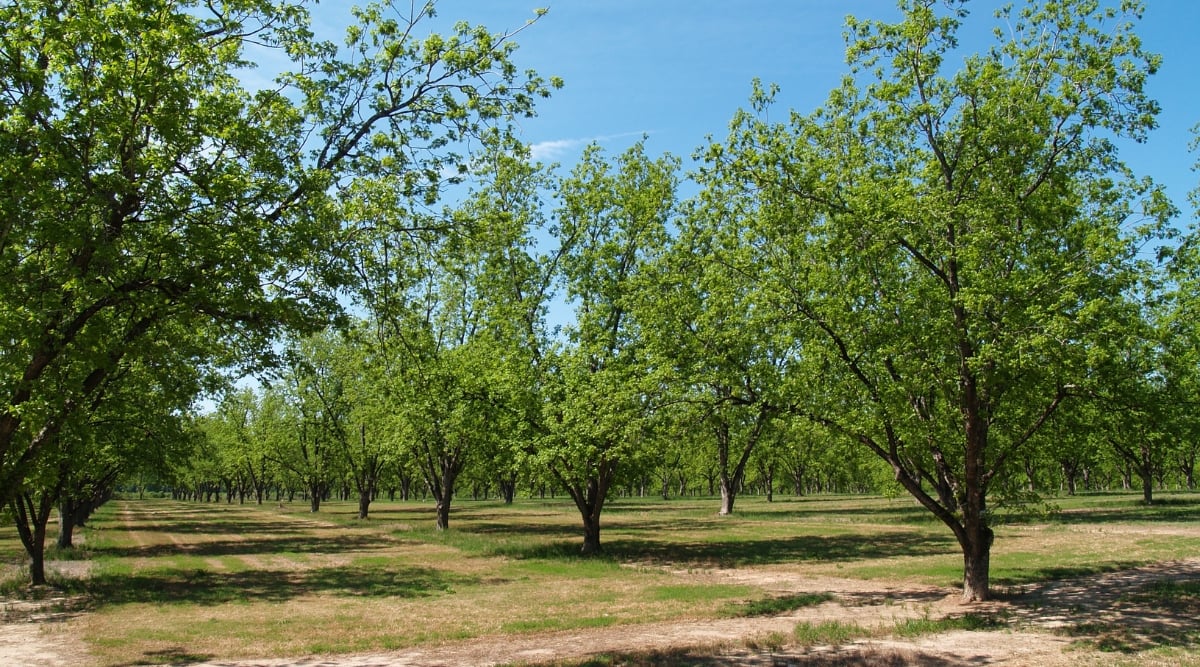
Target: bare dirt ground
(1042,622)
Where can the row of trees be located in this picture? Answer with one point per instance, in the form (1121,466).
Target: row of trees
(944,275)
(948,271)
(166,209)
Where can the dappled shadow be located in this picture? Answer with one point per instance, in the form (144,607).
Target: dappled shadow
(841,656)
(1129,610)
(204,587)
(1042,575)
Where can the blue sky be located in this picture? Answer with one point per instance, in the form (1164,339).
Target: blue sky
(677,70)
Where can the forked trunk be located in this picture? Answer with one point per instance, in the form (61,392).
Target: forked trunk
(31,516)
(589,497)
(508,488)
(445,493)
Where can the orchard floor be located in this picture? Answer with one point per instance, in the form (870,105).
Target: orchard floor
(1106,618)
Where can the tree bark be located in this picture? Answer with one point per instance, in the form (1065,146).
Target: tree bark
(316,490)
(508,489)
(445,493)
(32,515)
(589,499)
(364,504)
(977,564)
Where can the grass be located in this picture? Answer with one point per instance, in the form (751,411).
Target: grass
(919,627)
(172,582)
(829,633)
(778,604)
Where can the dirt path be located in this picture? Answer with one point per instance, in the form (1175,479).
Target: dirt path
(1042,622)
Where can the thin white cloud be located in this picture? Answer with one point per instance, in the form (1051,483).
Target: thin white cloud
(545,151)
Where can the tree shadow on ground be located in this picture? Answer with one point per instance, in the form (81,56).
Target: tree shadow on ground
(257,544)
(204,526)
(176,655)
(1054,574)
(781,550)
(1128,611)
(205,587)
(849,656)
(742,552)
(1166,510)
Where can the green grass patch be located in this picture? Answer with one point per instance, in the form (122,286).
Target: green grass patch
(777,605)
(575,567)
(919,627)
(828,633)
(558,623)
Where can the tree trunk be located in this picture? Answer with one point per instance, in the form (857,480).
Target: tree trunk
(728,495)
(315,492)
(31,518)
(589,499)
(976,564)
(443,495)
(1070,472)
(66,524)
(508,489)
(591,535)
(364,503)
(1147,486)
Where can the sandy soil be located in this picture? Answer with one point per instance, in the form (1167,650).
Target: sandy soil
(32,633)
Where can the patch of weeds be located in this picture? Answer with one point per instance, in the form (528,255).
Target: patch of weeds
(917,627)
(776,605)
(55,553)
(15,586)
(832,633)
(772,642)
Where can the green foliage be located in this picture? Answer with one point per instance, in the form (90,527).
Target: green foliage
(950,247)
(162,216)
(597,399)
